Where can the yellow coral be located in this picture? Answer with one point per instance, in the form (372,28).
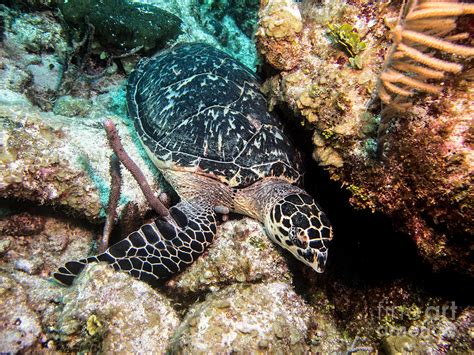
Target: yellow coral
(94,325)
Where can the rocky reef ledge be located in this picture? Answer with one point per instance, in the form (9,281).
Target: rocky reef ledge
(58,82)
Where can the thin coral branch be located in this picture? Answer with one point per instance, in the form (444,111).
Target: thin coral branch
(384,95)
(457,37)
(448,24)
(116,144)
(423,29)
(396,77)
(433,42)
(422,71)
(443,4)
(428,60)
(114,196)
(455,10)
(397,90)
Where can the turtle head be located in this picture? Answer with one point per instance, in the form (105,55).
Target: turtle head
(299,225)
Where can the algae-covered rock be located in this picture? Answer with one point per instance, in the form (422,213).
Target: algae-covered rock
(394,317)
(241,252)
(232,23)
(122,24)
(279,33)
(114,312)
(33,168)
(37,244)
(33,51)
(55,160)
(433,333)
(245,318)
(37,32)
(20,326)
(244,12)
(72,106)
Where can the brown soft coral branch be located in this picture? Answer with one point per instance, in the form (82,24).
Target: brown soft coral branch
(114,196)
(423,25)
(116,144)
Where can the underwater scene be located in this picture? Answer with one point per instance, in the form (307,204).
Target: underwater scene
(236,176)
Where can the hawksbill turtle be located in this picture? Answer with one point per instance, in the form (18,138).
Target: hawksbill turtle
(205,125)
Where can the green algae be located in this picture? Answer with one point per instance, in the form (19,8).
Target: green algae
(346,37)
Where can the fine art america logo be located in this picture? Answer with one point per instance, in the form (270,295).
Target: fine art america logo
(393,319)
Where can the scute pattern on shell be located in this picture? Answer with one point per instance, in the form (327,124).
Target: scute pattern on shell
(197,109)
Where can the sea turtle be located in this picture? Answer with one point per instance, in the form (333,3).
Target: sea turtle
(204,123)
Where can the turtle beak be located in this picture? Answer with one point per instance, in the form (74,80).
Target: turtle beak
(320,262)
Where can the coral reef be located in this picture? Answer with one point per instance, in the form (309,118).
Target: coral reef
(57,85)
(414,166)
(246,308)
(278,35)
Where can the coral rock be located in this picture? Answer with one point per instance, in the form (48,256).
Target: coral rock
(40,244)
(116,312)
(20,325)
(280,25)
(245,318)
(241,252)
(58,161)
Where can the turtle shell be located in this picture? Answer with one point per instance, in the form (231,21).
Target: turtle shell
(197,109)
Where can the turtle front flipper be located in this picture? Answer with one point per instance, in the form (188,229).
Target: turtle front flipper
(157,250)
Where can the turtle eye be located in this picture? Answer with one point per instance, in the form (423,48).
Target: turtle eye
(298,237)
(302,239)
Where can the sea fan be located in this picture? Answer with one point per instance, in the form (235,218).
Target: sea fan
(423,29)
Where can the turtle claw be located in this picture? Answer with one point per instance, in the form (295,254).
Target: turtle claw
(223,211)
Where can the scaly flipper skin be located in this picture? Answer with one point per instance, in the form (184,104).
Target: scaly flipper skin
(157,250)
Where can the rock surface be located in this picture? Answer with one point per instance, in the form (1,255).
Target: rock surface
(58,161)
(39,244)
(119,312)
(241,252)
(245,318)
(20,324)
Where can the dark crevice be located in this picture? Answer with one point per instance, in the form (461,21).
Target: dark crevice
(368,249)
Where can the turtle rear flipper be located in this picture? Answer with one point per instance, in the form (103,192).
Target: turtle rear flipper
(157,250)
